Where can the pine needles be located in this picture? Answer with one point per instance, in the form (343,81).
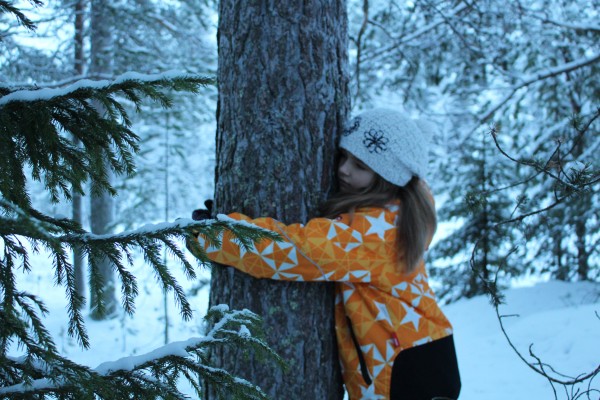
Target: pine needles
(38,132)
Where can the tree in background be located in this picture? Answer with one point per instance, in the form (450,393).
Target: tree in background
(160,36)
(37,128)
(141,35)
(101,203)
(282,101)
(476,206)
(77,206)
(546,112)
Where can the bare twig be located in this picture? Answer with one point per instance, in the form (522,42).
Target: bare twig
(545,170)
(496,297)
(402,41)
(552,375)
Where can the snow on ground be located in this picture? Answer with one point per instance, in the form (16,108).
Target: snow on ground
(560,320)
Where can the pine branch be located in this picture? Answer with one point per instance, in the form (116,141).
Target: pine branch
(7,7)
(60,236)
(155,375)
(34,125)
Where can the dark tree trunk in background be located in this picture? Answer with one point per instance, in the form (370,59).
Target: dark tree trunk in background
(283,98)
(79,62)
(101,208)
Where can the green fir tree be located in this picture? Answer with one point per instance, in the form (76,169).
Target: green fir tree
(475,207)
(38,127)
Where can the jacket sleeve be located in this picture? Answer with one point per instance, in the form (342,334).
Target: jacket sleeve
(322,250)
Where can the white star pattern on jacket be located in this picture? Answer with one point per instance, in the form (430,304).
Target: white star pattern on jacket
(364,276)
(383,314)
(334,233)
(378,311)
(399,288)
(368,393)
(418,287)
(347,291)
(411,316)
(380,361)
(278,265)
(325,278)
(379,226)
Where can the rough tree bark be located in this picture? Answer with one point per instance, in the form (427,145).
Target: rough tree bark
(283,98)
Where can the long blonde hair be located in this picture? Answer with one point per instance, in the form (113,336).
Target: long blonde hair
(417,220)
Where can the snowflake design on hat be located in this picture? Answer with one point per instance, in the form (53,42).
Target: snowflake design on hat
(353,128)
(375,141)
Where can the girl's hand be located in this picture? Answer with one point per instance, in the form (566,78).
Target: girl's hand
(202,214)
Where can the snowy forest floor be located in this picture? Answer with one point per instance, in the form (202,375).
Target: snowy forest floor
(561,321)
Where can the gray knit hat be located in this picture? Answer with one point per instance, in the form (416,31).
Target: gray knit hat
(392,144)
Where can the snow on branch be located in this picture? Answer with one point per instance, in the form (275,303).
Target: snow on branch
(46,93)
(398,42)
(562,24)
(45,123)
(60,236)
(540,75)
(166,228)
(161,368)
(577,27)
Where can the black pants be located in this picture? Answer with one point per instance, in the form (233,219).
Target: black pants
(426,372)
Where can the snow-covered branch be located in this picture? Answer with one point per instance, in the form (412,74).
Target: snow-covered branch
(562,24)
(107,141)
(49,93)
(16,85)
(163,365)
(166,228)
(577,27)
(541,75)
(411,37)
(149,239)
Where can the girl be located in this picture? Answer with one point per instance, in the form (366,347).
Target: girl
(394,341)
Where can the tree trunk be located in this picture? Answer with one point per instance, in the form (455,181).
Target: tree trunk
(584,203)
(79,61)
(562,269)
(102,205)
(283,98)
(583,266)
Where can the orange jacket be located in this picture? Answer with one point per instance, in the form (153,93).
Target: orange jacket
(379,312)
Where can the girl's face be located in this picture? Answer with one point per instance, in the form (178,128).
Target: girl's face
(353,175)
